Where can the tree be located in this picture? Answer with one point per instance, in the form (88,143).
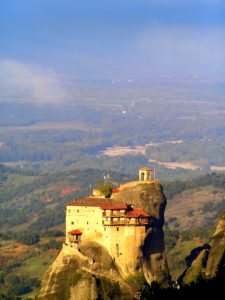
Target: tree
(214,192)
(29,239)
(105,189)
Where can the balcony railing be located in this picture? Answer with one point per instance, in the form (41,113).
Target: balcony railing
(117,214)
(125,222)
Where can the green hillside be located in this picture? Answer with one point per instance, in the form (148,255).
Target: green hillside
(36,201)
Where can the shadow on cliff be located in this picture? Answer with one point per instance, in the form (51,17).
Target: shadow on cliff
(154,262)
(195,262)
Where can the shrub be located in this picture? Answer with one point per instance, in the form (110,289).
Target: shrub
(29,239)
(19,285)
(190,213)
(105,189)
(53,233)
(52,245)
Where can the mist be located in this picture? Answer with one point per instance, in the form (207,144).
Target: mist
(45,41)
(34,83)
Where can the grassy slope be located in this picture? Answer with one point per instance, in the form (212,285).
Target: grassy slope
(29,261)
(194,207)
(176,257)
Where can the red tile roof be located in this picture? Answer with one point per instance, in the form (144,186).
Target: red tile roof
(114,207)
(110,204)
(115,190)
(75,232)
(96,202)
(135,213)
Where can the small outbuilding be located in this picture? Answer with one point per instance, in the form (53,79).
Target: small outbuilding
(145,174)
(74,236)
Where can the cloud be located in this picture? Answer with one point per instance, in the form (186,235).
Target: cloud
(30,82)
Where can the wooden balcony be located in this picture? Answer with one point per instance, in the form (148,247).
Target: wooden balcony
(126,222)
(114,214)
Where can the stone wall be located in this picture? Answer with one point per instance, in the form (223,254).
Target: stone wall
(87,219)
(122,242)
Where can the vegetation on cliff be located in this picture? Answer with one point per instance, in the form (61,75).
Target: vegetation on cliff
(105,189)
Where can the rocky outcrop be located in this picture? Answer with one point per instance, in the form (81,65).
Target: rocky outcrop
(147,196)
(154,264)
(196,264)
(208,259)
(85,288)
(75,275)
(91,273)
(150,197)
(217,252)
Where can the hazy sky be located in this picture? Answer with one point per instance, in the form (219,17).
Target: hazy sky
(101,38)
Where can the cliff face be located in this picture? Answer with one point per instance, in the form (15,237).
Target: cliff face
(208,258)
(150,197)
(91,272)
(217,252)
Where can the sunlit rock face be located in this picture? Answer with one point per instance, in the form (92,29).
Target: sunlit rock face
(82,275)
(150,197)
(77,274)
(147,196)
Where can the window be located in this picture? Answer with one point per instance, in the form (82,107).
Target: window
(117,229)
(78,210)
(87,222)
(117,250)
(72,223)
